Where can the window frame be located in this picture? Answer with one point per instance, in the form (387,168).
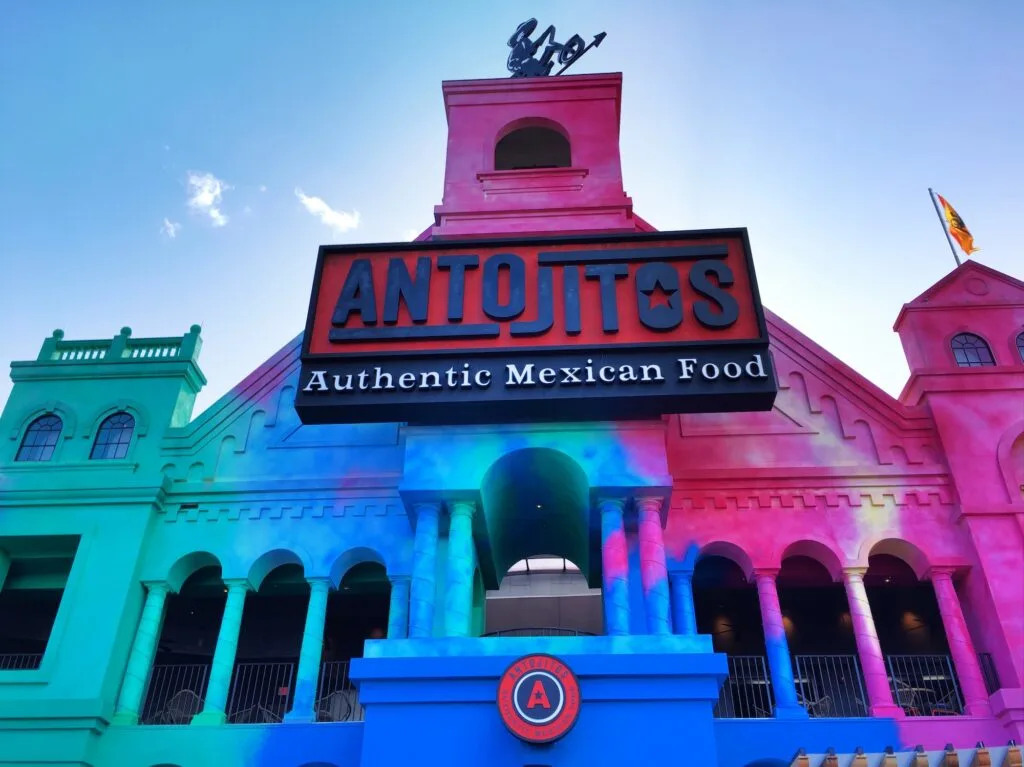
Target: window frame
(121,447)
(981,344)
(42,447)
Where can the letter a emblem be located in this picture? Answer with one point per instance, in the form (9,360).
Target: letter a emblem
(538,697)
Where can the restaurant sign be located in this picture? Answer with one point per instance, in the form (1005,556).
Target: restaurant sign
(577,328)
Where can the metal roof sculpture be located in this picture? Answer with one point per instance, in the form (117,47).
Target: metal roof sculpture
(522,61)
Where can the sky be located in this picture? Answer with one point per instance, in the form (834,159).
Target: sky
(165,164)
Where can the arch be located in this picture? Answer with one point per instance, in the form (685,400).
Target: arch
(355,556)
(1010,451)
(137,410)
(58,408)
(1019,342)
(822,553)
(898,548)
(536,500)
(41,438)
(114,437)
(532,143)
(186,565)
(730,551)
(269,561)
(971,351)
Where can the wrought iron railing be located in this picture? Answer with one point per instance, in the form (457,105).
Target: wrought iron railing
(539,631)
(260,692)
(830,685)
(22,661)
(925,685)
(747,693)
(988,671)
(337,699)
(175,693)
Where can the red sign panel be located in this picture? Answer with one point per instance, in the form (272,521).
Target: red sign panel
(539,698)
(444,331)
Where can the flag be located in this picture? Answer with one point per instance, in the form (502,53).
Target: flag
(957,228)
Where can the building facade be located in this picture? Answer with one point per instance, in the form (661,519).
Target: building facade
(844,571)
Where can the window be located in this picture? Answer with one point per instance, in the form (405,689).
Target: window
(532,148)
(30,596)
(971,351)
(40,439)
(1020,345)
(114,436)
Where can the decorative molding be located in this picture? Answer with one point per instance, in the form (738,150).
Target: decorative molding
(809,499)
(259,511)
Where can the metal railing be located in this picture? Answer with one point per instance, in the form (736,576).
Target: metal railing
(925,685)
(747,693)
(261,693)
(830,685)
(337,699)
(540,631)
(988,672)
(22,661)
(175,693)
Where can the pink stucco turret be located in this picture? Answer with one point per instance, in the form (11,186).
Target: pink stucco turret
(534,155)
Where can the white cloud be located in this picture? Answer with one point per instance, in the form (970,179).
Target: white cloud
(263,187)
(170,228)
(339,220)
(204,196)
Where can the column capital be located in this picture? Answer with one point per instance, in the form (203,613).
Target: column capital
(462,509)
(156,587)
(429,507)
(854,573)
(400,579)
(940,573)
(649,503)
(608,505)
(681,573)
(319,583)
(766,572)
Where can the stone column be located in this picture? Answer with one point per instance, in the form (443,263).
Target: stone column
(653,573)
(398,610)
(684,615)
(777,647)
(308,675)
(224,656)
(424,571)
(872,662)
(614,567)
(458,603)
(140,661)
(965,659)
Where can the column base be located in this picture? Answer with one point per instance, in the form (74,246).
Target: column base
(303,716)
(208,718)
(886,711)
(791,712)
(125,717)
(979,708)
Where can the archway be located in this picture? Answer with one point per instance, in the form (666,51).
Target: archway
(544,554)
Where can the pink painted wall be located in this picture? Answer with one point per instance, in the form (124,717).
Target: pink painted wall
(838,470)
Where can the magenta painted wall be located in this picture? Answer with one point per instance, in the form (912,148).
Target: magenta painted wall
(838,470)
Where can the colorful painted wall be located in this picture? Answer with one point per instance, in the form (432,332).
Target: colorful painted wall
(838,474)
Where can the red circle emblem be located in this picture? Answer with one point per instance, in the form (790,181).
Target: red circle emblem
(539,698)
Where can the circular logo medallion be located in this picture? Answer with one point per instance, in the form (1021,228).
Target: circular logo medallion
(538,698)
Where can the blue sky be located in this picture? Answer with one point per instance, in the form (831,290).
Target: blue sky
(819,126)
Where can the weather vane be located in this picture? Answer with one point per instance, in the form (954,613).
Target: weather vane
(521,61)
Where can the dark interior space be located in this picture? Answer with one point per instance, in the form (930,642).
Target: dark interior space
(814,609)
(31,595)
(727,607)
(534,147)
(905,610)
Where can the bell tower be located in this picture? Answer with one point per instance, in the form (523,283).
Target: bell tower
(534,155)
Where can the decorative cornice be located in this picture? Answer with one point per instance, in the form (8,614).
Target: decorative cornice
(257,511)
(816,498)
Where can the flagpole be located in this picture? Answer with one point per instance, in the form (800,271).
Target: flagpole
(945,228)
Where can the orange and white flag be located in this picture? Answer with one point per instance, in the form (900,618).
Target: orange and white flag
(957,228)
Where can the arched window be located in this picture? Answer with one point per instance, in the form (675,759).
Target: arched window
(40,439)
(533,147)
(1020,345)
(971,351)
(114,436)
